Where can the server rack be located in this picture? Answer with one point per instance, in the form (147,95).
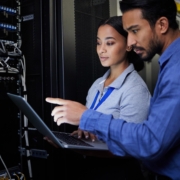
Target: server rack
(53,42)
(12,79)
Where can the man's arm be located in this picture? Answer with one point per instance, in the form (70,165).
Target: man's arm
(148,140)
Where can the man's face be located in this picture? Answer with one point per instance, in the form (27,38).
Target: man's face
(141,36)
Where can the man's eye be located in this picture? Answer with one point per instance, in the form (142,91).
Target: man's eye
(134,31)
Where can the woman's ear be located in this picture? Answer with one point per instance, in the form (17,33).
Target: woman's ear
(129,48)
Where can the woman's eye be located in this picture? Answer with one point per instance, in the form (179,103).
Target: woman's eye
(98,43)
(110,43)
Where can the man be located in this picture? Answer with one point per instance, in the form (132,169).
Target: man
(152,28)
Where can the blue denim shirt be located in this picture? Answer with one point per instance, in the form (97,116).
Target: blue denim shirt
(156,141)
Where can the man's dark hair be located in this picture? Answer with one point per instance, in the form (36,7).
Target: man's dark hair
(116,23)
(152,10)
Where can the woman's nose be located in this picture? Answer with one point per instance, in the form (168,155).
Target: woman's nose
(102,49)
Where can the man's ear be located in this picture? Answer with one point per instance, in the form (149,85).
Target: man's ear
(162,24)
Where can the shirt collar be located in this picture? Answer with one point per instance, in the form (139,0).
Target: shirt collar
(169,51)
(117,83)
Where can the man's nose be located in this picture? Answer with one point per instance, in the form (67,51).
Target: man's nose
(131,40)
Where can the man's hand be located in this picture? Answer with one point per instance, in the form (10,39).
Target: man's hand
(51,142)
(86,134)
(67,112)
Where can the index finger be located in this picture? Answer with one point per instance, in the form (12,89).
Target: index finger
(55,101)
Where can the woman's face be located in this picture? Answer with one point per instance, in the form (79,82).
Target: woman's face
(111,46)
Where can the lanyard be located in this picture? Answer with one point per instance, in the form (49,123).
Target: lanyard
(108,92)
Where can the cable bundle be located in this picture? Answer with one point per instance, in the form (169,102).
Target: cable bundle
(9,48)
(11,176)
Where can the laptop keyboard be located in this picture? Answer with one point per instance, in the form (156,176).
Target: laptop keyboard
(70,139)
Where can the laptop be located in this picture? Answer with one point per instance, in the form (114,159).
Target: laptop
(62,139)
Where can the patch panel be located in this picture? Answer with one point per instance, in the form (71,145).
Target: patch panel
(8,10)
(8,27)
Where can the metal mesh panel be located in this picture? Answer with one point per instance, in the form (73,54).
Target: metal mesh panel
(88,67)
(31,47)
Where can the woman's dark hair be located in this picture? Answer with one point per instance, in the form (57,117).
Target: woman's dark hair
(152,10)
(116,23)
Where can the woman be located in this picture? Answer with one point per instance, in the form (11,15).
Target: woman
(121,91)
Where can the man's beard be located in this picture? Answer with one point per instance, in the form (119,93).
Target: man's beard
(155,47)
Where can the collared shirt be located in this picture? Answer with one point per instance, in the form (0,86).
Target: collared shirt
(130,97)
(156,141)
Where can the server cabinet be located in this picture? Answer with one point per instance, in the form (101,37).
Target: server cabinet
(12,65)
(58,41)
